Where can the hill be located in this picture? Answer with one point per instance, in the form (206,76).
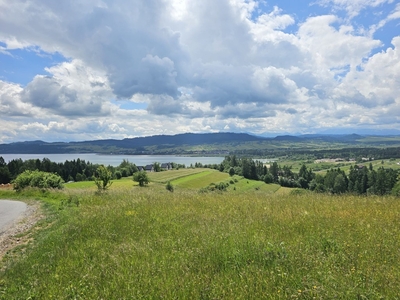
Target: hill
(203,144)
(139,145)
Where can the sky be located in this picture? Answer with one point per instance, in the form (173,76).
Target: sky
(101,69)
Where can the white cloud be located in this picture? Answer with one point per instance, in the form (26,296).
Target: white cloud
(10,101)
(197,65)
(394,15)
(332,47)
(375,83)
(353,7)
(71,90)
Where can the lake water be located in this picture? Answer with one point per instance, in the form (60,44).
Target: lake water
(115,160)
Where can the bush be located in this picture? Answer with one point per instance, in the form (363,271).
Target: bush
(141,177)
(43,180)
(169,187)
(125,172)
(118,175)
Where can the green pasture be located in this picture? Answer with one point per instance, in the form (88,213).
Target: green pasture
(199,180)
(124,182)
(148,243)
(165,176)
(253,241)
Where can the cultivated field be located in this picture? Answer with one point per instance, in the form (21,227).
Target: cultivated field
(254,241)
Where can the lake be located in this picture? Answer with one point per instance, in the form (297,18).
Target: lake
(115,160)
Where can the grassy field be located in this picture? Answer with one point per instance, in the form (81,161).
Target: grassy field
(257,241)
(164,177)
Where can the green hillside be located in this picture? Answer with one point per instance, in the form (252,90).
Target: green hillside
(253,241)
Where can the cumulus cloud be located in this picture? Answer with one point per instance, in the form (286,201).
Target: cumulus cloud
(197,65)
(334,47)
(71,90)
(11,104)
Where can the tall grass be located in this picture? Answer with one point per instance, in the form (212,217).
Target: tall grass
(149,243)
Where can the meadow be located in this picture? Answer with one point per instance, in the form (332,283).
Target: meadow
(253,241)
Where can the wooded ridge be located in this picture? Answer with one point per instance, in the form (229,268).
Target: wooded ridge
(200,143)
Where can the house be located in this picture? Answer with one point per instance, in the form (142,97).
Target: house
(149,168)
(140,168)
(166,166)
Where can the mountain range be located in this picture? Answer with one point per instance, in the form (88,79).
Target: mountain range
(190,143)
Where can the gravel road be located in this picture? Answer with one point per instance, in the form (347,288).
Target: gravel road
(10,211)
(16,220)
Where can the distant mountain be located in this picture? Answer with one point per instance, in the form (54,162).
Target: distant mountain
(132,145)
(177,140)
(194,143)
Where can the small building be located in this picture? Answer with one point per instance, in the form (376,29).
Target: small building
(140,168)
(166,166)
(149,168)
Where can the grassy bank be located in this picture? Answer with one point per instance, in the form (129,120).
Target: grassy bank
(133,243)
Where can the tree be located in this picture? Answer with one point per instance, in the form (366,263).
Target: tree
(141,177)
(2,162)
(246,168)
(103,178)
(5,175)
(274,169)
(339,186)
(157,167)
(334,185)
(127,168)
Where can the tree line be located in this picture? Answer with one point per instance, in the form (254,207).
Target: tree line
(74,170)
(345,153)
(70,170)
(360,180)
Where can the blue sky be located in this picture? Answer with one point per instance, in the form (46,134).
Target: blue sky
(98,69)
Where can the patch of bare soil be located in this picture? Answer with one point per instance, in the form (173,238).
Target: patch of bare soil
(19,232)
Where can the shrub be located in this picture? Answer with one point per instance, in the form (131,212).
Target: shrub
(141,177)
(124,172)
(118,175)
(43,180)
(169,187)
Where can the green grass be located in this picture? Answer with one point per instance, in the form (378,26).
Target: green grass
(148,243)
(199,180)
(164,177)
(243,185)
